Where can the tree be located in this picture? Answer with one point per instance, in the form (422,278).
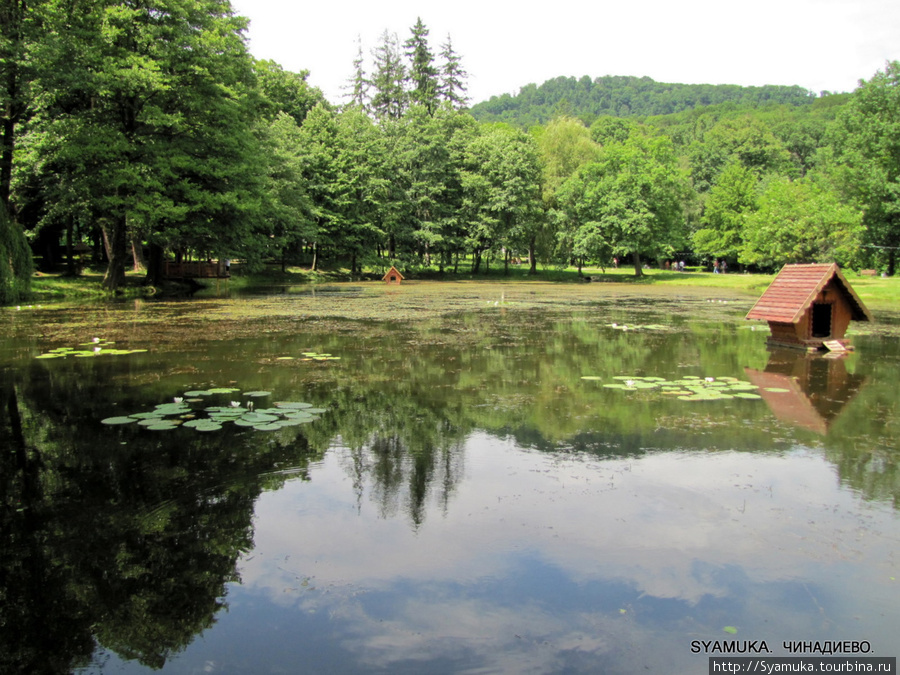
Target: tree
(359,84)
(286,211)
(285,92)
(424,161)
(452,85)
(422,74)
(152,99)
(629,202)
(731,200)
(802,221)
(389,99)
(744,138)
(501,191)
(15,261)
(343,158)
(20,29)
(867,148)
(565,146)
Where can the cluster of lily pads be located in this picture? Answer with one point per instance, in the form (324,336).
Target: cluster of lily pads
(311,356)
(188,411)
(689,388)
(96,347)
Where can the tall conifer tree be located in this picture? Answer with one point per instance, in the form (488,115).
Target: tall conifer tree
(389,99)
(358,86)
(423,75)
(452,86)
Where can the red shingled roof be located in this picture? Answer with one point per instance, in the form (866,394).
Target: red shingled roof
(794,290)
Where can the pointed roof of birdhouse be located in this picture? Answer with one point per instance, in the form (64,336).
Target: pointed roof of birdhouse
(794,290)
(392,272)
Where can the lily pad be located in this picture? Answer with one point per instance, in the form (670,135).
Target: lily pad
(162,426)
(270,426)
(118,420)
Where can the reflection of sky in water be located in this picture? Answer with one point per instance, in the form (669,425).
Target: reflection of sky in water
(558,563)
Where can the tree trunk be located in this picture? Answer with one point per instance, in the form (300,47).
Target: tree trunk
(137,254)
(636,259)
(532,258)
(117,246)
(155,266)
(314,266)
(70,249)
(6,159)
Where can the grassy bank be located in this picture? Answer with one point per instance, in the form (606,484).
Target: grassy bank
(876,292)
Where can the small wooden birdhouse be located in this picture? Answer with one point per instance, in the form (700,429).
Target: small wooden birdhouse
(392,276)
(809,307)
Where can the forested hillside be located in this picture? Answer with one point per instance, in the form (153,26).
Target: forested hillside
(137,135)
(621,96)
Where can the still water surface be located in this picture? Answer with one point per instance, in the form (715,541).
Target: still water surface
(466,502)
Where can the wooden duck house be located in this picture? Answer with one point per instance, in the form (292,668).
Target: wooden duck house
(392,276)
(809,307)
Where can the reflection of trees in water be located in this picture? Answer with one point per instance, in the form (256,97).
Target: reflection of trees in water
(117,537)
(405,450)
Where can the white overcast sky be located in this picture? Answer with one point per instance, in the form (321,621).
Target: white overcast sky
(816,44)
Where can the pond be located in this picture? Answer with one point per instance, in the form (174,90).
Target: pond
(440,478)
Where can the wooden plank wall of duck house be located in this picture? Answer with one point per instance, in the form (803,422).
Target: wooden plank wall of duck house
(810,307)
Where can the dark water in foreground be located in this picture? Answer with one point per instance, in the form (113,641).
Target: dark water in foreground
(466,503)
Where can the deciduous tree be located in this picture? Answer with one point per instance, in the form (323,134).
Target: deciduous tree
(867,146)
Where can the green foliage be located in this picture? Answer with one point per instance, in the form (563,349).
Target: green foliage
(867,146)
(501,191)
(423,75)
(389,96)
(153,103)
(15,261)
(630,201)
(282,91)
(625,97)
(452,80)
(727,206)
(801,221)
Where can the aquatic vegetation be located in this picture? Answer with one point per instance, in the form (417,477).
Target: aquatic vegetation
(96,347)
(628,327)
(690,388)
(181,413)
(310,356)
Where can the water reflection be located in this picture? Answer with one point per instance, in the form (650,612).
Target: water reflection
(806,390)
(468,502)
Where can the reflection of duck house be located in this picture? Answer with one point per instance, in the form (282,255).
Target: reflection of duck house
(809,307)
(812,391)
(393,276)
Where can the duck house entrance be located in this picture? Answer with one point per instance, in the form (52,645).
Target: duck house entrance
(821,320)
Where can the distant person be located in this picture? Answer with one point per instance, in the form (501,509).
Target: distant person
(616,262)
(715,266)
(724,266)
